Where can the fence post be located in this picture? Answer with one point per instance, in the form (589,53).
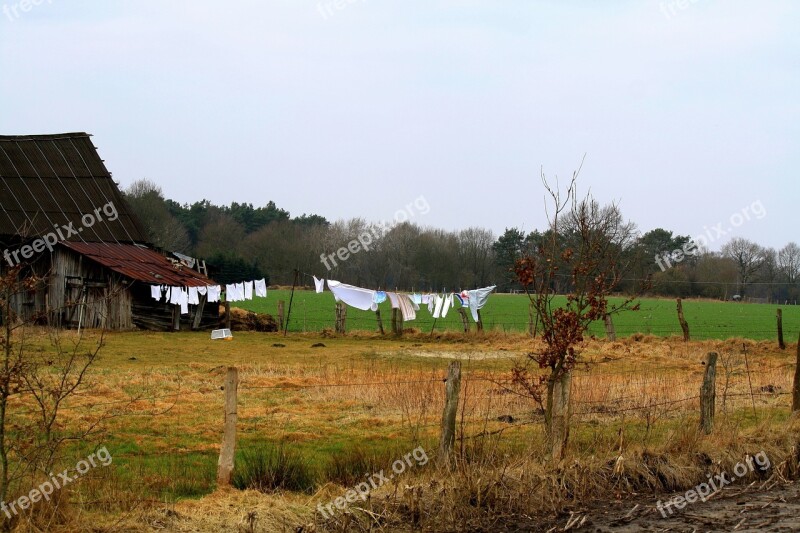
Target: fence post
(380,322)
(781,344)
(531,323)
(452,390)
(341,318)
(682,320)
(796,387)
(281,307)
(228,450)
(611,333)
(227,315)
(560,414)
(479,323)
(464,319)
(708,393)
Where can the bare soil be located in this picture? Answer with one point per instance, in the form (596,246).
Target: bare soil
(751,508)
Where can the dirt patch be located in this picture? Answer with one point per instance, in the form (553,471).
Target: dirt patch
(463,355)
(751,508)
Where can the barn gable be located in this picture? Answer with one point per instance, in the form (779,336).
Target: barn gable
(95,275)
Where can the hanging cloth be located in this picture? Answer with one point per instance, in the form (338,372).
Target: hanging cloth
(319,284)
(448,303)
(214,293)
(261,288)
(477,299)
(437,310)
(194,299)
(353,296)
(406,307)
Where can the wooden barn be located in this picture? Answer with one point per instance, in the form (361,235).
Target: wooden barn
(65,221)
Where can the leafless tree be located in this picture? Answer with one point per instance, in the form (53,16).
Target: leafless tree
(748,257)
(584,246)
(789,262)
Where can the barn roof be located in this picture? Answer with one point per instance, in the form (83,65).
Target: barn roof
(48,180)
(140,263)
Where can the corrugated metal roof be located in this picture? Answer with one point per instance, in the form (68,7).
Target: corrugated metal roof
(56,179)
(141,264)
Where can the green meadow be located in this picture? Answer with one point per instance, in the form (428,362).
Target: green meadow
(509,312)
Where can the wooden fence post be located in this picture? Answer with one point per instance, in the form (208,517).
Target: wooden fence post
(464,319)
(708,393)
(796,387)
(611,333)
(228,315)
(531,324)
(479,323)
(341,318)
(781,344)
(560,414)
(228,450)
(281,315)
(452,390)
(682,320)
(380,322)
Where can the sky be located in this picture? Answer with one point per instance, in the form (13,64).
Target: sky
(685,112)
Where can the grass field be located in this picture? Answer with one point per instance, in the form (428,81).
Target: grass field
(357,403)
(509,313)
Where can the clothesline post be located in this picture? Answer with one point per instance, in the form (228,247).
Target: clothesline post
(291,297)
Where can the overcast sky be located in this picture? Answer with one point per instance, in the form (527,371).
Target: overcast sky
(687,113)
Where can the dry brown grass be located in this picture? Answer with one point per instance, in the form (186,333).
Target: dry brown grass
(634,427)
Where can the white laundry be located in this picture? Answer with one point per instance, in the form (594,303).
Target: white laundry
(394,298)
(231,293)
(477,299)
(202,290)
(214,292)
(194,298)
(407,307)
(240,291)
(184,302)
(261,288)
(155,292)
(448,303)
(175,295)
(437,310)
(248,290)
(319,284)
(353,296)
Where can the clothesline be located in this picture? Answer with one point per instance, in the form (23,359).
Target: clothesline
(408,303)
(186,296)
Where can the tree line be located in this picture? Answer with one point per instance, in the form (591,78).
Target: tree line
(241,241)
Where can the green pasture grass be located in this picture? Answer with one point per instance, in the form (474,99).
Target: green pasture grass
(312,312)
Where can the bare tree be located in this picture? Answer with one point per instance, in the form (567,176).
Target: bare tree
(748,257)
(789,262)
(584,247)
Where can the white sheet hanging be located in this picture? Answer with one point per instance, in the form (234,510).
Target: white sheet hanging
(353,296)
(261,288)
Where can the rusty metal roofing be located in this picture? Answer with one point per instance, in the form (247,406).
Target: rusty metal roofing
(140,263)
(48,180)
